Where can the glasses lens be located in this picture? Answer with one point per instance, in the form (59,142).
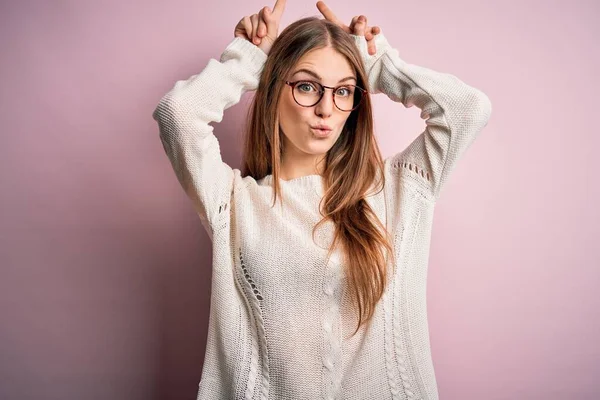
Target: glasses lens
(308,93)
(347,97)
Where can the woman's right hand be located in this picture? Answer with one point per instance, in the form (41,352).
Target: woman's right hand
(262,28)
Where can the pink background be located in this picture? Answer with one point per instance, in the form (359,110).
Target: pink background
(105,269)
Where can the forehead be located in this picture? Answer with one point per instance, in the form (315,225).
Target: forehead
(326,62)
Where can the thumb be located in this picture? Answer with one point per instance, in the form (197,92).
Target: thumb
(360,26)
(267,14)
(270,21)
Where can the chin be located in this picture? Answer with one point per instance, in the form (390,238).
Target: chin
(318,147)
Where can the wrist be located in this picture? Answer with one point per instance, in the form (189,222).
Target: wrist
(381,47)
(243,49)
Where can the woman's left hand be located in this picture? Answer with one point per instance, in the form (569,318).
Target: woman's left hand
(358,26)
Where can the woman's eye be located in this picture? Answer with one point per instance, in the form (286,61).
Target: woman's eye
(344,92)
(306,87)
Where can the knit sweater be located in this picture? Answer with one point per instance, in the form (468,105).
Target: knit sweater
(279,326)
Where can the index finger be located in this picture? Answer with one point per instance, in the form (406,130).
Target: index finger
(278,8)
(330,16)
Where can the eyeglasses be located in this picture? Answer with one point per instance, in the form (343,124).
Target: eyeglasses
(309,93)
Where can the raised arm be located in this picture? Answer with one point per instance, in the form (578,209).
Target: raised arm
(185,113)
(184,116)
(455,113)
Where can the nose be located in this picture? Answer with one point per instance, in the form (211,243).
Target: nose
(324,108)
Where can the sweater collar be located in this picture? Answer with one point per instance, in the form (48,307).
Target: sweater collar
(314,182)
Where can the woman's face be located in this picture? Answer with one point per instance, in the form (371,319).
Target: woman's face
(329,68)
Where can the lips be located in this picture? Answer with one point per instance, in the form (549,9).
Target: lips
(321,133)
(321,127)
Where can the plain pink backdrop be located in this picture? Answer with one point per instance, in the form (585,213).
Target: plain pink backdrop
(105,268)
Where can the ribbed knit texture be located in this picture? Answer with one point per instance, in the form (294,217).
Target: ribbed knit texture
(279,319)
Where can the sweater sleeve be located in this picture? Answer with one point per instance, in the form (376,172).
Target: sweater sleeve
(184,115)
(455,113)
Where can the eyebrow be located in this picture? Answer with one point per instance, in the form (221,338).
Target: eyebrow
(314,74)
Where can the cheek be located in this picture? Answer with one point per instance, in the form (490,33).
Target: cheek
(344,120)
(342,123)
(291,115)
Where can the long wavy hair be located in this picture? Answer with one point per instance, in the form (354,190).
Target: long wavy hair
(352,166)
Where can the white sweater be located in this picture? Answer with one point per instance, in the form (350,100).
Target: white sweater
(278,328)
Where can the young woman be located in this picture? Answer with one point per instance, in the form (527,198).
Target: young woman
(321,295)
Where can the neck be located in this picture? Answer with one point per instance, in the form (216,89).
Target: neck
(295,167)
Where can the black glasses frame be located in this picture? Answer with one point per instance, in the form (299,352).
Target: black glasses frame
(333,90)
